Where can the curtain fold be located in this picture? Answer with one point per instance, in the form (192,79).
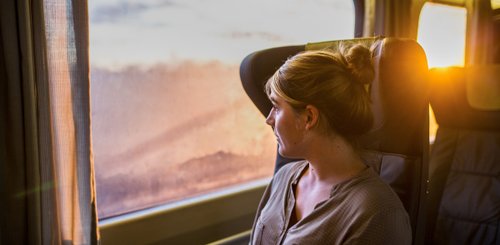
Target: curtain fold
(480,34)
(12,157)
(394,23)
(48,193)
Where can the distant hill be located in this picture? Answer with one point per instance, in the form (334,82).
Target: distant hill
(177,181)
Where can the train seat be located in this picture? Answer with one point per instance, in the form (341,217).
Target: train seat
(397,146)
(464,199)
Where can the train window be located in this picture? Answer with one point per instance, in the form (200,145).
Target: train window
(170,119)
(495,4)
(441,32)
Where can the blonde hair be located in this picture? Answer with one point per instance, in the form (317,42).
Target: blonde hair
(333,82)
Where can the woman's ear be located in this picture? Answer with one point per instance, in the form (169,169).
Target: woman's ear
(312,116)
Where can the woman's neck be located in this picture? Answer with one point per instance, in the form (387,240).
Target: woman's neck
(333,160)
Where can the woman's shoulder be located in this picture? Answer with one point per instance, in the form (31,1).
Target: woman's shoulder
(378,210)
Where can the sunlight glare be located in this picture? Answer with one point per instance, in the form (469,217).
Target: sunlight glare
(441,33)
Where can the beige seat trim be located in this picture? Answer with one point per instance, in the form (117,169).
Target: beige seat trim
(483,87)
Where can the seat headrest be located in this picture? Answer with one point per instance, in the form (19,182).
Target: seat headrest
(258,67)
(467,98)
(399,96)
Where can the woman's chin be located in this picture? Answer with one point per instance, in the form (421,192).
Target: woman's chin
(284,153)
(281,151)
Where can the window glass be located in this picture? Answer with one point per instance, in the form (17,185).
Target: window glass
(441,33)
(170,118)
(495,4)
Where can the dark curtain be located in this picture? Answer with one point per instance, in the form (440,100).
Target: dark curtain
(15,184)
(47,193)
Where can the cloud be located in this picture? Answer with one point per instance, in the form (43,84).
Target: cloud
(118,11)
(259,35)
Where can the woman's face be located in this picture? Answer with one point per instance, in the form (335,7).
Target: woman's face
(287,126)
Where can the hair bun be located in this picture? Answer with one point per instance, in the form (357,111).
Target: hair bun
(359,61)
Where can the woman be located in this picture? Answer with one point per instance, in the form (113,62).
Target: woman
(320,108)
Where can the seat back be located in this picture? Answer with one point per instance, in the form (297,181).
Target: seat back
(399,137)
(397,145)
(465,159)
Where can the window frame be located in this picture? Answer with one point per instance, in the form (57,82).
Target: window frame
(198,220)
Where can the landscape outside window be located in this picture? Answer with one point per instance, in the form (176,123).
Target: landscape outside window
(170,118)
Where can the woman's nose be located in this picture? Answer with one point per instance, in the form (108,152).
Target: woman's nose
(270,118)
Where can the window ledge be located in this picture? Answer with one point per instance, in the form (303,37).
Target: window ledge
(196,220)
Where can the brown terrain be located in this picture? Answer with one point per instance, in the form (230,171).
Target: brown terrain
(169,132)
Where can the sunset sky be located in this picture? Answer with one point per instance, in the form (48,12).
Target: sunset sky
(124,32)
